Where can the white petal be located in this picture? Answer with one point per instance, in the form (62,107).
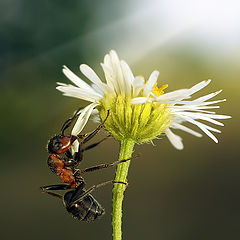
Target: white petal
(173,96)
(75,79)
(189,109)
(107,68)
(191,120)
(193,107)
(97,89)
(201,116)
(203,127)
(199,86)
(128,77)
(206,117)
(138,81)
(76,92)
(140,100)
(108,61)
(83,118)
(110,78)
(138,85)
(175,140)
(202,111)
(109,72)
(95,116)
(63,84)
(93,77)
(75,146)
(150,83)
(199,104)
(207,97)
(209,134)
(117,71)
(216,116)
(185,129)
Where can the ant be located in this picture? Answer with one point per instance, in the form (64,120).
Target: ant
(78,201)
(61,161)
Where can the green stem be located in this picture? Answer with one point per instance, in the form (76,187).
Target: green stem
(118,191)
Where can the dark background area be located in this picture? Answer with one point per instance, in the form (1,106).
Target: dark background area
(172,195)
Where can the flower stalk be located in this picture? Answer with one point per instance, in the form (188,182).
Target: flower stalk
(126,151)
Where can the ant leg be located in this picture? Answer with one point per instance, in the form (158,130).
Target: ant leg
(68,123)
(45,189)
(74,159)
(55,187)
(78,156)
(70,159)
(107,165)
(68,154)
(53,194)
(87,137)
(95,144)
(79,195)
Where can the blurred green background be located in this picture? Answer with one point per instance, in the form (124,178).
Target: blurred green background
(173,195)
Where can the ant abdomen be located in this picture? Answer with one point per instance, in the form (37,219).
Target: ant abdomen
(86,209)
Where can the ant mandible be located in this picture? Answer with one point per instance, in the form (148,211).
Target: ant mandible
(61,161)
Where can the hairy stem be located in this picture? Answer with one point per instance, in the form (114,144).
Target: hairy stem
(118,191)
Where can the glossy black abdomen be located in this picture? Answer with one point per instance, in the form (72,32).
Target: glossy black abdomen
(87,209)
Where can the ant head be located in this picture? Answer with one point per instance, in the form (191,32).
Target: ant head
(60,143)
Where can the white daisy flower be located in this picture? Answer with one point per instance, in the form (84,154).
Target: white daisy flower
(139,110)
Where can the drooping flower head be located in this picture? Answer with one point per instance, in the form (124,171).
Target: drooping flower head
(139,109)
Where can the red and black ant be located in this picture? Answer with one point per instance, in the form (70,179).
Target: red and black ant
(78,201)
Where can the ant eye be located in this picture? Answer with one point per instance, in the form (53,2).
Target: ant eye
(54,145)
(57,145)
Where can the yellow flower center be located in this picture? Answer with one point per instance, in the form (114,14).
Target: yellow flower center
(159,91)
(139,122)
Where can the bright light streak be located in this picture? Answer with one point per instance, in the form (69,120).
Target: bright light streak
(218,20)
(149,24)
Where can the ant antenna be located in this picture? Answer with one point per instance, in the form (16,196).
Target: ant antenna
(69,121)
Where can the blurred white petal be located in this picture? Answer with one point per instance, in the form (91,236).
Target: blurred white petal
(174,139)
(75,79)
(83,118)
(150,83)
